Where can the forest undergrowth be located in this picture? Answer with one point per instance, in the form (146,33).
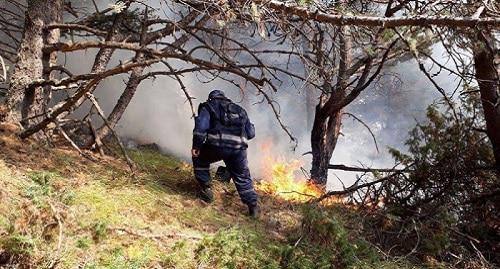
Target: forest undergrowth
(60,210)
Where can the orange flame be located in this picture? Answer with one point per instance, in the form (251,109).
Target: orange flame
(281,180)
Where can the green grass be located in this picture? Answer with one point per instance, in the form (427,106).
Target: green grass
(113,220)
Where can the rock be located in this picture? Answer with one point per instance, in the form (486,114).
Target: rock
(150,146)
(130,144)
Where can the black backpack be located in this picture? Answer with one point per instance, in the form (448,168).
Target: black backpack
(233,115)
(228,114)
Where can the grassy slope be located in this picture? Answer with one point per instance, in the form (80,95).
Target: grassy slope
(57,208)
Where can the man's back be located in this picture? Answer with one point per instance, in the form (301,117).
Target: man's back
(222,130)
(223,124)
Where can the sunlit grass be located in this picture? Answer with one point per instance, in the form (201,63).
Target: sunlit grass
(113,219)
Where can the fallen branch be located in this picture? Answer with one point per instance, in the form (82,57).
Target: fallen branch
(73,144)
(57,258)
(155,236)
(368,170)
(101,114)
(354,187)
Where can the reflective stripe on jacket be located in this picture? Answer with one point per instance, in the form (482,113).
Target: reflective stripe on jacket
(210,130)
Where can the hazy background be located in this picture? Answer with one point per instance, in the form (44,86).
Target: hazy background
(160,114)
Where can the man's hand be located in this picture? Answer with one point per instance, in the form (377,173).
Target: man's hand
(195,152)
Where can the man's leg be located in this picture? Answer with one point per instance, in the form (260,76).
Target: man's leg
(201,166)
(237,164)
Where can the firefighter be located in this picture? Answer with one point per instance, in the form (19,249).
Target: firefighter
(221,132)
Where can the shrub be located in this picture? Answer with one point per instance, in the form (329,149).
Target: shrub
(330,243)
(17,244)
(448,159)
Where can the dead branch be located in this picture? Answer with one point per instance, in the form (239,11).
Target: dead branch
(68,104)
(354,187)
(426,73)
(368,170)
(366,126)
(98,143)
(183,88)
(155,236)
(118,140)
(73,144)
(76,26)
(306,13)
(3,76)
(55,261)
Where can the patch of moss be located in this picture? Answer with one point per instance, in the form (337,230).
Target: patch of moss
(234,248)
(83,242)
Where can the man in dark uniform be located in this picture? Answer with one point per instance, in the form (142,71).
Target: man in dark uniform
(221,132)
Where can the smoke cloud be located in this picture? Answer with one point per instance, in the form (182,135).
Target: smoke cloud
(160,114)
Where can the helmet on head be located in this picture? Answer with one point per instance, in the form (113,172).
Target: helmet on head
(216,94)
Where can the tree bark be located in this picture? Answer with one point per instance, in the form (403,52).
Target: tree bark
(101,61)
(324,136)
(327,123)
(135,79)
(487,76)
(125,98)
(305,13)
(32,61)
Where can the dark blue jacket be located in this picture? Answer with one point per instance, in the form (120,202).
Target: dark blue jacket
(209,130)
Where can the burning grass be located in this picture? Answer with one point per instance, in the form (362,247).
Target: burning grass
(286,179)
(283,182)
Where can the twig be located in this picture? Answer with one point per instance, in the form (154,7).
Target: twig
(472,239)
(298,241)
(484,262)
(73,144)
(367,127)
(4,70)
(155,236)
(359,169)
(101,113)
(55,261)
(414,249)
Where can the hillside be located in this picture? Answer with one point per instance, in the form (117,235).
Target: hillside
(60,210)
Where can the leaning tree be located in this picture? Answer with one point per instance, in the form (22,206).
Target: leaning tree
(343,47)
(173,41)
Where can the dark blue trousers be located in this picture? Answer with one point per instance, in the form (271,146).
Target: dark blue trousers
(237,164)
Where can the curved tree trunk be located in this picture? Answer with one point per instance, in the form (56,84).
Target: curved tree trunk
(32,63)
(124,100)
(326,125)
(133,83)
(324,136)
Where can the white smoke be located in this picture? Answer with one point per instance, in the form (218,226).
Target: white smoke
(160,114)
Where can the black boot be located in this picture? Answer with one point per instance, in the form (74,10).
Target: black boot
(206,194)
(253,211)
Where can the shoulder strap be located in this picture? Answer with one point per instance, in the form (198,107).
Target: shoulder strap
(210,108)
